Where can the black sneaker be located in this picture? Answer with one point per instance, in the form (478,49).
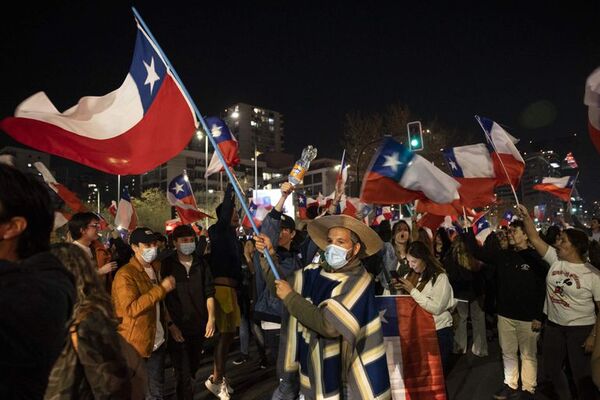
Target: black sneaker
(240,360)
(263,364)
(525,395)
(507,393)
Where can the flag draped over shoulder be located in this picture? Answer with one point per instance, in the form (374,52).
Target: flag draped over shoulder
(592,100)
(181,196)
(227,143)
(559,187)
(412,350)
(397,176)
(508,163)
(142,124)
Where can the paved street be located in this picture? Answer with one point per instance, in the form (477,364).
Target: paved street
(471,377)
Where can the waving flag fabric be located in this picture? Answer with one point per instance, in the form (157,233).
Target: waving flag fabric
(559,187)
(342,175)
(481,227)
(258,213)
(126,217)
(592,100)
(302,206)
(71,200)
(181,196)
(539,212)
(412,349)
(112,209)
(398,176)
(507,218)
(382,214)
(227,143)
(129,131)
(505,156)
(473,168)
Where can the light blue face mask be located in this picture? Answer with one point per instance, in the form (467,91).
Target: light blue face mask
(187,248)
(336,256)
(149,254)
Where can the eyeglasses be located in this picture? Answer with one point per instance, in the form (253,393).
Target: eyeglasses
(94,226)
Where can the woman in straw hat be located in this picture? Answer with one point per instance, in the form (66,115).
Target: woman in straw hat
(332,328)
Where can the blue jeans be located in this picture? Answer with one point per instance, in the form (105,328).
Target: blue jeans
(245,326)
(446,342)
(155,366)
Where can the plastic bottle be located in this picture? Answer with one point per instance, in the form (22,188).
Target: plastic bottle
(297,173)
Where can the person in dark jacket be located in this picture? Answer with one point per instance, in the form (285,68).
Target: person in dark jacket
(191,307)
(226,268)
(520,274)
(36,292)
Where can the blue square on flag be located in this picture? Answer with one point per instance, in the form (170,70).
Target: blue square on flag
(392,160)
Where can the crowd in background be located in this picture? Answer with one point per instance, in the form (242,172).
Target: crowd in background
(92,319)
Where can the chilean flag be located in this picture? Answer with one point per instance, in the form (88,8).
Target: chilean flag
(258,213)
(71,200)
(481,228)
(112,209)
(126,217)
(302,206)
(412,349)
(382,214)
(181,196)
(228,146)
(142,124)
(398,176)
(559,187)
(592,100)
(472,167)
(507,218)
(506,158)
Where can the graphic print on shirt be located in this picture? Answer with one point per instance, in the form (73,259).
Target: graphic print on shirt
(561,282)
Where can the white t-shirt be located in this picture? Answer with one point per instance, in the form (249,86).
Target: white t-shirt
(437,299)
(159,338)
(571,290)
(187,265)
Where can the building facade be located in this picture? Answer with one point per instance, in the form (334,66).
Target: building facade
(255,128)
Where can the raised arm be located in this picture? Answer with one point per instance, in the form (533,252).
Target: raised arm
(532,234)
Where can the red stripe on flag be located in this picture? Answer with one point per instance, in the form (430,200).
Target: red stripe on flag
(420,352)
(161,134)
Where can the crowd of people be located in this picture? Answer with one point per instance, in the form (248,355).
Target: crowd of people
(85,318)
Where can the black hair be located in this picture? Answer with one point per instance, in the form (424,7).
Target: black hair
(594,253)
(551,234)
(183,231)
(579,240)
(80,221)
(518,224)
(384,230)
(23,196)
(442,233)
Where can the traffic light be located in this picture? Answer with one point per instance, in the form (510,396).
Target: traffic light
(415,136)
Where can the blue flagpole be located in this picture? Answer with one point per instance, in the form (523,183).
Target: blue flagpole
(238,193)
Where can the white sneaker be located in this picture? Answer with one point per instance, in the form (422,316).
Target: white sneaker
(220,390)
(229,388)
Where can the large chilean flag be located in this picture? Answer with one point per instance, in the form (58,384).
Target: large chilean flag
(142,124)
(508,163)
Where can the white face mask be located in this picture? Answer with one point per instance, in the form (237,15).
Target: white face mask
(187,248)
(336,256)
(149,254)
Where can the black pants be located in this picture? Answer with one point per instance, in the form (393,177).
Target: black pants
(566,341)
(185,357)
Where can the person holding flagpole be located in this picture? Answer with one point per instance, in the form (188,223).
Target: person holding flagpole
(331,335)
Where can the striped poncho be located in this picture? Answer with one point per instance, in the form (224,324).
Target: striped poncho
(355,359)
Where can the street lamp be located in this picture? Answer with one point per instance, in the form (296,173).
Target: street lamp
(256,154)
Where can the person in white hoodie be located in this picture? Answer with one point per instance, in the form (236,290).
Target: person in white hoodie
(428,284)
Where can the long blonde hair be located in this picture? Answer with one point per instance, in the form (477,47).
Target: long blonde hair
(91,295)
(461,254)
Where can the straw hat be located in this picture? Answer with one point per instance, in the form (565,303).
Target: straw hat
(318,229)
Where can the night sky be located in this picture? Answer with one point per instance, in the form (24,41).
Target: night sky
(524,66)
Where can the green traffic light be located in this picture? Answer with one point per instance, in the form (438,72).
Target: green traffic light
(414,142)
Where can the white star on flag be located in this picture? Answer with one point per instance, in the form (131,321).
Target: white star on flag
(215,130)
(177,188)
(392,161)
(152,75)
(382,316)
(452,164)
